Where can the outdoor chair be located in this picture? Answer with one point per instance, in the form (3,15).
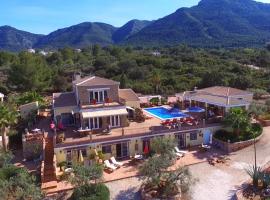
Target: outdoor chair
(110,166)
(180,151)
(115,162)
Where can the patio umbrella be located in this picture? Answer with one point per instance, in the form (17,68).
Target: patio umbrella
(146,149)
(211,138)
(80,160)
(60,125)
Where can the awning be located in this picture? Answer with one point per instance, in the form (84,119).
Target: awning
(104,113)
(130,108)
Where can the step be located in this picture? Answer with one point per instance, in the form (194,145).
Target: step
(49,185)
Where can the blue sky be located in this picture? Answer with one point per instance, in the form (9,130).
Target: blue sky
(44,16)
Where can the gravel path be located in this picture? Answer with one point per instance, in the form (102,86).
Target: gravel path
(212,182)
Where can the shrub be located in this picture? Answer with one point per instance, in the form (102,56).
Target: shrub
(255,173)
(154,100)
(91,192)
(265,116)
(258,93)
(225,135)
(139,116)
(257,109)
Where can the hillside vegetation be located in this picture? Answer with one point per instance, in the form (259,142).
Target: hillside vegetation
(176,69)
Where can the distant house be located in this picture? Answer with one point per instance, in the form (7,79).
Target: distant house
(2,97)
(31,50)
(44,53)
(156,53)
(27,109)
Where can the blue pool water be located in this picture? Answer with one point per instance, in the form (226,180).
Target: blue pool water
(195,109)
(163,113)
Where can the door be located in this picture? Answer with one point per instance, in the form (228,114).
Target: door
(181,140)
(119,150)
(122,150)
(207,137)
(67,119)
(125,150)
(146,146)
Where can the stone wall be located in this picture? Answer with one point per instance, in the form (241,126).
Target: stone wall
(232,147)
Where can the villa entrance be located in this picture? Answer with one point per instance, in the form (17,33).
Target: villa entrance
(122,150)
(181,140)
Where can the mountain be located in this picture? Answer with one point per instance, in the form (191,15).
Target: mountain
(12,39)
(78,36)
(227,23)
(211,23)
(130,28)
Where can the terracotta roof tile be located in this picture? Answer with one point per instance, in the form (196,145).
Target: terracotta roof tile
(128,95)
(64,99)
(94,81)
(225,91)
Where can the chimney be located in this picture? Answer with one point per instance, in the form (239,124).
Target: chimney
(76,76)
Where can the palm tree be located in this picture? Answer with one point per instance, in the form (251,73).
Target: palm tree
(238,119)
(156,80)
(8,117)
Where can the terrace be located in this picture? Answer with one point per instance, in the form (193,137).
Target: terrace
(152,126)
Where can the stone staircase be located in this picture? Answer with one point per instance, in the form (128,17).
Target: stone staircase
(48,166)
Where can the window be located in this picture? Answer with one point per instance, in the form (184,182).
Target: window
(115,121)
(193,136)
(95,123)
(84,152)
(136,147)
(98,95)
(86,123)
(107,149)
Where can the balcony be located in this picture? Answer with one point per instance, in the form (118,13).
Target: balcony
(150,127)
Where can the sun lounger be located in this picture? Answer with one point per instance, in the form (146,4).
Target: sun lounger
(179,155)
(115,162)
(110,166)
(180,151)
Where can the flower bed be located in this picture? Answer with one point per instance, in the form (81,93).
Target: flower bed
(232,147)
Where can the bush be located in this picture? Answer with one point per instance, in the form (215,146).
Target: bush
(225,135)
(265,116)
(258,93)
(154,100)
(257,109)
(91,192)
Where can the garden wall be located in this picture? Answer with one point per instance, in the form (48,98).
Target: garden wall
(232,147)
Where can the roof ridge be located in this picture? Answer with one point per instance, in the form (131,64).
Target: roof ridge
(90,78)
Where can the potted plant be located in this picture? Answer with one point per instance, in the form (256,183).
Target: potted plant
(94,101)
(101,156)
(60,137)
(62,165)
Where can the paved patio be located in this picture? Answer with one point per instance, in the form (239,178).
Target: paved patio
(213,182)
(129,169)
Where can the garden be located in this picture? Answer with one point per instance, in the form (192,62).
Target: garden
(238,127)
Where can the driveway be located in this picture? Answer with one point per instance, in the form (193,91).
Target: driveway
(213,182)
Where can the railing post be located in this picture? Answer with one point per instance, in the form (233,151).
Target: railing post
(203,122)
(123,132)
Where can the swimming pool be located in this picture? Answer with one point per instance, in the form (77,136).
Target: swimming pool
(196,109)
(163,113)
